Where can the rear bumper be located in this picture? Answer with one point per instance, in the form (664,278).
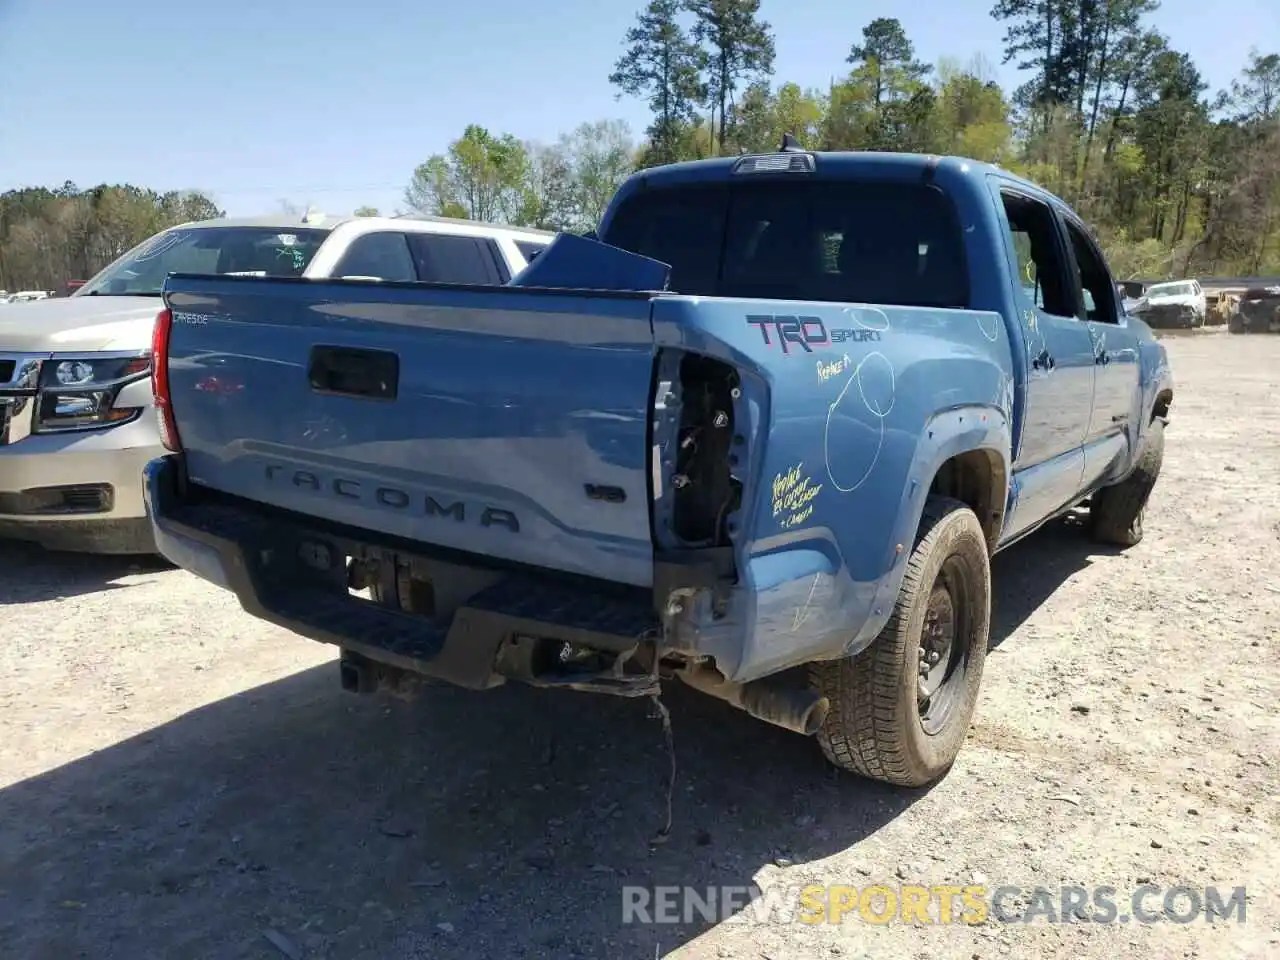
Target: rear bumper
(293,573)
(781,610)
(79,491)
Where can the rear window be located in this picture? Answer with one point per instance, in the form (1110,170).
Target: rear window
(853,242)
(247,251)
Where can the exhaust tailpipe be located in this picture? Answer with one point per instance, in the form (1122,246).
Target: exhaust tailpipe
(792,708)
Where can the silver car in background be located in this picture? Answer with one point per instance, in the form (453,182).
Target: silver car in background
(76,417)
(1177,303)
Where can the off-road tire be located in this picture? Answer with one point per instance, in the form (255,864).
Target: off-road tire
(1116,512)
(874,727)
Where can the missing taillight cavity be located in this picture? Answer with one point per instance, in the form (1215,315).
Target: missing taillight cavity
(705,491)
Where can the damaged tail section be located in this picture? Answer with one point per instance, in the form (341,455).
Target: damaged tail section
(698,454)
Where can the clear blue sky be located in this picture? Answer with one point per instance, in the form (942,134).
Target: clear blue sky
(335,103)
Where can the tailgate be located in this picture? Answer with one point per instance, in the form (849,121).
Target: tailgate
(505,422)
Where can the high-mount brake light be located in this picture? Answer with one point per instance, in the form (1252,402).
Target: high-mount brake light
(774,163)
(790,158)
(160,387)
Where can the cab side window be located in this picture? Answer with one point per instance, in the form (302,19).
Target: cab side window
(384,255)
(443,258)
(1097,292)
(1042,268)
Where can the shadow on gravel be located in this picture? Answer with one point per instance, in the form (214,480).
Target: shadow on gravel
(500,824)
(31,574)
(1029,572)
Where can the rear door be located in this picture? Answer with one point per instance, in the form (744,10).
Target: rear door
(1115,352)
(1049,465)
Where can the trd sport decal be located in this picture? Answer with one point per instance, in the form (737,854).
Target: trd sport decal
(805,332)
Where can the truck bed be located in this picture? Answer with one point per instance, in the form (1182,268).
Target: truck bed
(512,423)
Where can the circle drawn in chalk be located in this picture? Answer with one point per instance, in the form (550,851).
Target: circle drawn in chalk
(874,374)
(868,318)
(872,400)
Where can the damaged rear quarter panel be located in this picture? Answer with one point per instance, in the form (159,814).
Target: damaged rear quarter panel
(853,408)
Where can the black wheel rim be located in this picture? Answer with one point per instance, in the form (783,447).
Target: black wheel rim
(944,647)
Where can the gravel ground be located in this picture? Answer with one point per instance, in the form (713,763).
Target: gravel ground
(179,780)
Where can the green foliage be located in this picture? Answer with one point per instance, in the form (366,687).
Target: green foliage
(48,237)
(481,177)
(1110,118)
(499,179)
(662,64)
(1174,180)
(763,116)
(366,211)
(737,47)
(886,71)
(600,156)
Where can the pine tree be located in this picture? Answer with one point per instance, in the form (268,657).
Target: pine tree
(738,48)
(661,64)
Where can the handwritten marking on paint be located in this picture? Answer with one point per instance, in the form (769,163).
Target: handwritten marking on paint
(828,370)
(796,519)
(793,496)
(802,613)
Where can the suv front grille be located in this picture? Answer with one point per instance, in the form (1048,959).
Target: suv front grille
(15,418)
(19,377)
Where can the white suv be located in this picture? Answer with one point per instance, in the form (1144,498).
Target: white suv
(75,401)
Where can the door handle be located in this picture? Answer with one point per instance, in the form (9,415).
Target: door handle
(1042,361)
(352,372)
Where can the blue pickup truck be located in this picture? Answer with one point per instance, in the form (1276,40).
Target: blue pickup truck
(763,434)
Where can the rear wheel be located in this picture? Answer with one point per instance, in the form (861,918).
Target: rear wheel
(900,709)
(1116,512)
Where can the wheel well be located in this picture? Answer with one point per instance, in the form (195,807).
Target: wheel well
(976,478)
(1161,406)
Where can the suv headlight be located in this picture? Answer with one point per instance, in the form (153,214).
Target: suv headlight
(79,393)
